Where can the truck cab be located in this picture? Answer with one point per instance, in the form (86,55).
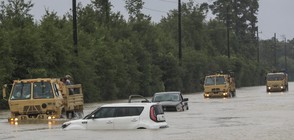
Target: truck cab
(277,81)
(219,85)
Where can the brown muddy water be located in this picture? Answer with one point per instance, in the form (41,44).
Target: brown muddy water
(252,115)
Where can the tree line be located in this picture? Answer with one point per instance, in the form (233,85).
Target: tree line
(118,57)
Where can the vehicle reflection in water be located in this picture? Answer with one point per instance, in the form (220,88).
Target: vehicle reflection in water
(14,123)
(51,123)
(222,98)
(273,93)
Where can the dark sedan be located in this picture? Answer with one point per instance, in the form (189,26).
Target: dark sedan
(171,101)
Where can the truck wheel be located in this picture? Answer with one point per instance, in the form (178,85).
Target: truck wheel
(234,93)
(70,114)
(79,114)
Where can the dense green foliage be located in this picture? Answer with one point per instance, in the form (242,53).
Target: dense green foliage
(118,57)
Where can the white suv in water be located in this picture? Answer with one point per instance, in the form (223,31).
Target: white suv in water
(121,116)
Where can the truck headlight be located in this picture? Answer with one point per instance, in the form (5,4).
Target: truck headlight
(225,93)
(13,119)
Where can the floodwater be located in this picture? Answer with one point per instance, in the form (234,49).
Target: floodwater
(252,114)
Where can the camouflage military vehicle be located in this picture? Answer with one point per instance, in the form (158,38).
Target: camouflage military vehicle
(43,98)
(219,85)
(277,81)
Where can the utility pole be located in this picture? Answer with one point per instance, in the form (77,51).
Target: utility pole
(275,50)
(257,38)
(285,48)
(180,31)
(236,19)
(228,31)
(258,64)
(75,31)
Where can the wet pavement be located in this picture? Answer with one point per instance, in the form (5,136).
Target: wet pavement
(252,114)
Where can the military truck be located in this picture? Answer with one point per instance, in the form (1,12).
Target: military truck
(43,99)
(219,85)
(276,81)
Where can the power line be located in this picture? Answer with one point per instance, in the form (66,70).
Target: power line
(195,1)
(155,10)
(265,36)
(169,1)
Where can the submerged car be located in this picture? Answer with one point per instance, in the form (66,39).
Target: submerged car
(121,116)
(171,101)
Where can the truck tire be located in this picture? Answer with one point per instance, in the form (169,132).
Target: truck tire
(234,93)
(79,114)
(70,114)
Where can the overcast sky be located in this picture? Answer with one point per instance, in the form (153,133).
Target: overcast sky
(274,16)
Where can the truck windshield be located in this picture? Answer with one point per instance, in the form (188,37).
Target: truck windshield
(275,77)
(42,90)
(21,91)
(216,80)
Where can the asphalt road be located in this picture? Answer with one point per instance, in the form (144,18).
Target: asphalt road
(252,115)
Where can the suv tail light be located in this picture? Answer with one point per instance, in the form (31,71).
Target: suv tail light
(152,114)
(156,113)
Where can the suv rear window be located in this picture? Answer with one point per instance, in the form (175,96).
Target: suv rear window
(158,109)
(128,111)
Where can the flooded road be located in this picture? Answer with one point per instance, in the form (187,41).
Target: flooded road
(252,114)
